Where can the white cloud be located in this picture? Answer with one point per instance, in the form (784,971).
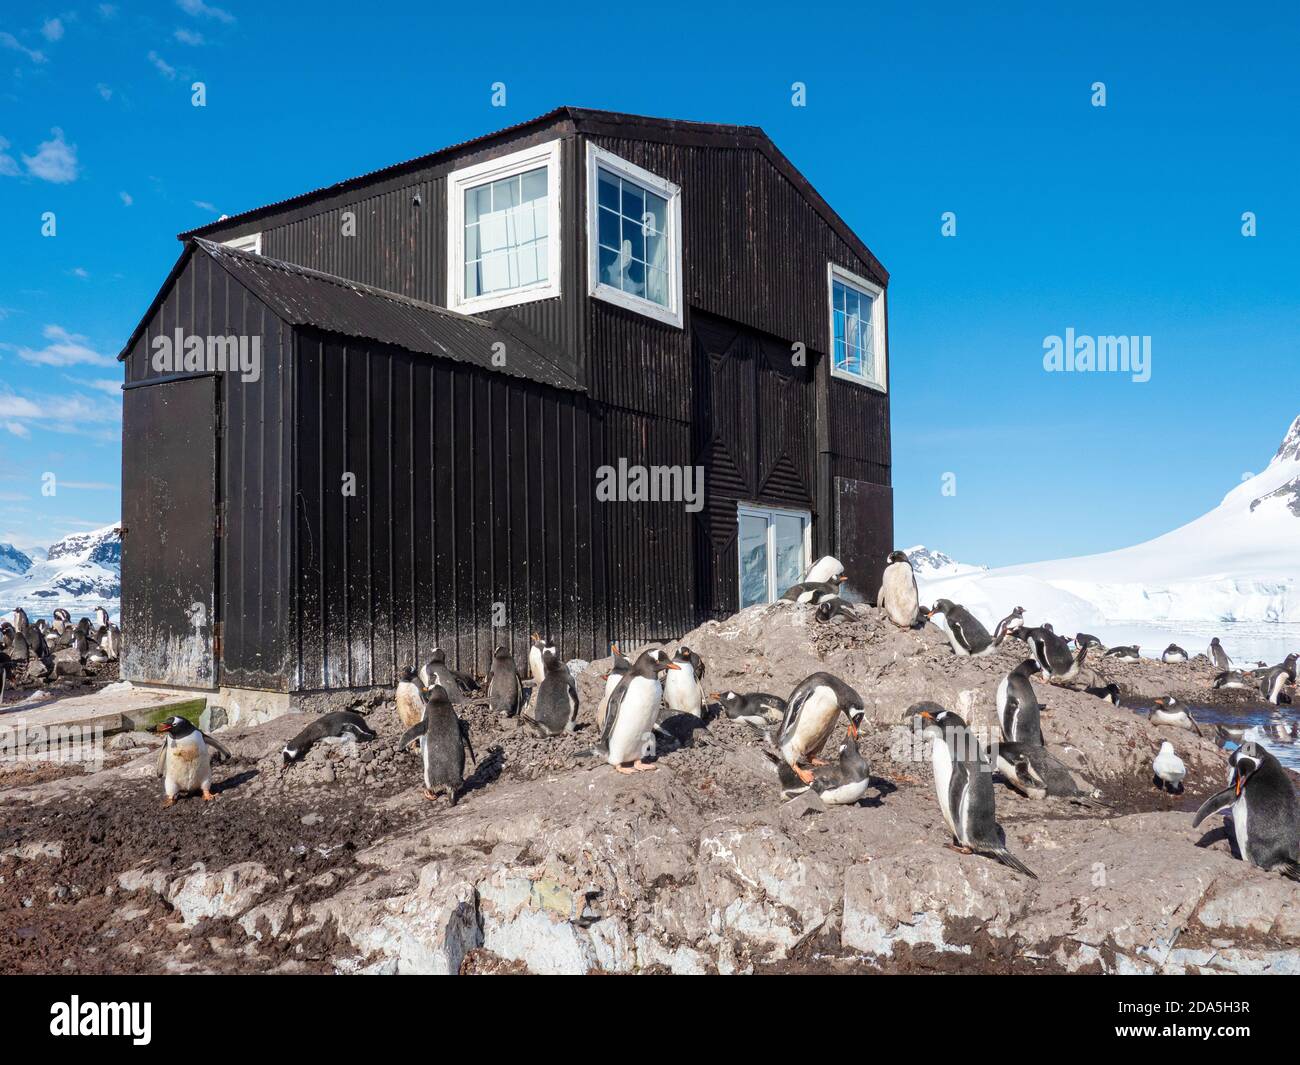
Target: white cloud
(55,160)
(8,164)
(18,429)
(109,388)
(104,91)
(164,68)
(64,349)
(189,37)
(108,11)
(127,199)
(76,415)
(81,272)
(199,9)
(52,30)
(8,40)
(203,205)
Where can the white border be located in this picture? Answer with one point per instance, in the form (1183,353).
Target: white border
(763,510)
(672,314)
(249,242)
(835,273)
(458,181)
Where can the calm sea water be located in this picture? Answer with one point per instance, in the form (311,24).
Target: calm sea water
(1246,643)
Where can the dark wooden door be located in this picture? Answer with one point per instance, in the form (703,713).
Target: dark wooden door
(864,520)
(169,557)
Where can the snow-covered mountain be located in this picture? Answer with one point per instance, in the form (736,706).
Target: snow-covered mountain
(12,560)
(1239,562)
(933,564)
(79,572)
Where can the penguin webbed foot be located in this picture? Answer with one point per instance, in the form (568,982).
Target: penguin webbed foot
(208,796)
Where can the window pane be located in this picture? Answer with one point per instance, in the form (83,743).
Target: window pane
(838,289)
(633,201)
(607,190)
(633,241)
(608,229)
(477,202)
(505,194)
(534,185)
(634,278)
(657,208)
(472,284)
(471,243)
(656,250)
(753,560)
(787,534)
(656,286)
(608,268)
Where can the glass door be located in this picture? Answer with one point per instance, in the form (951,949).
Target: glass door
(773,549)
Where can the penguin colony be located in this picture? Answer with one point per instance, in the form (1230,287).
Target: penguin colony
(27,645)
(644,692)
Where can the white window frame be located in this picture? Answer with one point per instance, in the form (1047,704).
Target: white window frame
(249,242)
(880,358)
(763,510)
(469,177)
(672,314)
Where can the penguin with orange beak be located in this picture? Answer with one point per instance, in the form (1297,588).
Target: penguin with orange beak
(810,715)
(185,760)
(1265,811)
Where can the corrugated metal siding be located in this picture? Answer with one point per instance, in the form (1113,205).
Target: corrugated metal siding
(254,452)
(471,489)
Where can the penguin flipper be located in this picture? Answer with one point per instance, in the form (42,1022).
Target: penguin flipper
(1289,869)
(161,760)
(464,735)
(1011,861)
(410,736)
(1214,802)
(219,748)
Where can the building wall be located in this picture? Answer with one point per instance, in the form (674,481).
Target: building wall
(253,451)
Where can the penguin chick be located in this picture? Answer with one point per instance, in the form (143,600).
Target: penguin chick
(758,710)
(813,591)
(1034,770)
(898,596)
(627,737)
(337,724)
(505,692)
(1169,769)
(554,707)
(444,738)
(963,783)
(829,609)
(1012,623)
(617,670)
(1169,711)
(841,783)
(409,698)
(683,693)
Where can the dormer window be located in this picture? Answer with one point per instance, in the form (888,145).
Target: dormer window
(634,222)
(503,225)
(249,242)
(857,328)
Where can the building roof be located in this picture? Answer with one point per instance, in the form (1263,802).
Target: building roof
(303,297)
(589,121)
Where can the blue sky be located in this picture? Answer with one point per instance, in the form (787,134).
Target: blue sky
(1117,220)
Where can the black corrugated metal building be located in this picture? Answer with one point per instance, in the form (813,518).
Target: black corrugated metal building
(453,354)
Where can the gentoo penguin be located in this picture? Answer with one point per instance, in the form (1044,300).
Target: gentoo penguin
(810,715)
(813,591)
(1013,622)
(1169,711)
(101,617)
(19,619)
(436,671)
(535,668)
(1109,692)
(683,693)
(410,699)
(829,609)
(1085,639)
(1052,653)
(62,620)
(757,709)
(1124,654)
(1273,683)
(185,759)
(965,633)
(1218,655)
(963,783)
(339,723)
(898,596)
(1033,770)
(1265,814)
(1018,707)
(826,568)
(554,708)
(15,643)
(627,738)
(112,643)
(1173,653)
(1168,769)
(1289,665)
(616,673)
(841,783)
(444,738)
(1233,678)
(505,692)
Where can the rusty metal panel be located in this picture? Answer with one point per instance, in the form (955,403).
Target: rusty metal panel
(864,522)
(169,559)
